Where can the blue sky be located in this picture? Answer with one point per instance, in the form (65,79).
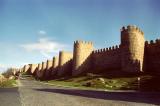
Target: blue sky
(32,31)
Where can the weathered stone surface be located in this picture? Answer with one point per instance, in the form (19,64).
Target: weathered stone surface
(81,56)
(55,66)
(26,68)
(33,68)
(65,63)
(48,69)
(132,49)
(38,71)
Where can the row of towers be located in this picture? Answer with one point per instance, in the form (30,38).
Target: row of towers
(131,55)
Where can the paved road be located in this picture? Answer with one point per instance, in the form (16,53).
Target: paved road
(9,97)
(33,93)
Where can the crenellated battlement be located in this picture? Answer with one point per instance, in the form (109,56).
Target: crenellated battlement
(78,42)
(109,49)
(152,42)
(131,28)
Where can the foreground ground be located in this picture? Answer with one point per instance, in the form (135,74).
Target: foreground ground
(33,93)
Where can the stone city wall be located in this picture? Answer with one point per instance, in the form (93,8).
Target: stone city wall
(132,55)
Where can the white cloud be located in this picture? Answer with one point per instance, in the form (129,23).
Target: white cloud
(1,65)
(3,68)
(41,32)
(45,54)
(44,46)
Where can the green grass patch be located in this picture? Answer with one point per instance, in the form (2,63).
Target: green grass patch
(95,83)
(143,82)
(66,83)
(8,83)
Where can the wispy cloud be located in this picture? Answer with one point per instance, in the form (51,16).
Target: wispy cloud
(3,68)
(42,32)
(44,46)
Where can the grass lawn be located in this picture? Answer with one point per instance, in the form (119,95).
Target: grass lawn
(144,82)
(8,83)
(88,82)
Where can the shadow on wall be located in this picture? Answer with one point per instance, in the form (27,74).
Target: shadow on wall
(39,74)
(109,70)
(59,71)
(101,59)
(54,72)
(29,71)
(106,59)
(149,84)
(47,73)
(140,97)
(85,67)
(65,69)
(152,57)
(34,73)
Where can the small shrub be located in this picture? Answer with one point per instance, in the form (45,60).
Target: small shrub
(7,83)
(96,83)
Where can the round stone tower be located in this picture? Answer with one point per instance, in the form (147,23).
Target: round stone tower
(49,64)
(42,71)
(26,67)
(61,58)
(82,51)
(55,62)
(44,66)
(48,69)
(132,49)
(33,68)
(64,57)
(39,67)
(38,70)
(65,66)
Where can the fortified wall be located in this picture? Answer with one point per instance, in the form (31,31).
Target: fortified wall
(55,66)
(152,56)
(33,68)
(82,57)
(38,70)
(132,55)
(126,57)
(65,63)
(106,59)
(48,69)
(25,68)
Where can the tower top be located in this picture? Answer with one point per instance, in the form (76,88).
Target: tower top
(83,42)
(131,28)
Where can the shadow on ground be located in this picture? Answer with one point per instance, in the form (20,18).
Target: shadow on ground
(139,97)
